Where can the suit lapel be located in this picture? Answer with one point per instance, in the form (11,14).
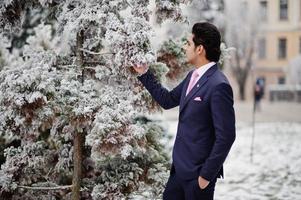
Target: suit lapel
(185,89)
(201,82)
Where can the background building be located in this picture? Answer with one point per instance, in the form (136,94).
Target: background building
(277,40)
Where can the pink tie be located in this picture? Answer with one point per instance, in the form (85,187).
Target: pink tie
(192,81)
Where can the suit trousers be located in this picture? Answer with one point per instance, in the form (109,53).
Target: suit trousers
(179,189)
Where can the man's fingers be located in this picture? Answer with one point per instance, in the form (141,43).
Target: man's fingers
(140,68)
(136,67)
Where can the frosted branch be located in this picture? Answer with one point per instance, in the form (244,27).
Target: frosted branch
(63,187)
(95,53)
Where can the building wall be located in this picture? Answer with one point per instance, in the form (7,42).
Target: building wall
(272,68)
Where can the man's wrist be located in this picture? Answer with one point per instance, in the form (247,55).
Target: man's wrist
(143,73)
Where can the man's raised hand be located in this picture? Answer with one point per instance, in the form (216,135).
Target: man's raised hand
(141,68)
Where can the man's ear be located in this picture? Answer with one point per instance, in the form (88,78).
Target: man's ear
(200,49)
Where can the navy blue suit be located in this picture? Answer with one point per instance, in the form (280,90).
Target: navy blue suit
(206,128)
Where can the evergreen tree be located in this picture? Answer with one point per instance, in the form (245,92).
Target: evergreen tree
(68,95)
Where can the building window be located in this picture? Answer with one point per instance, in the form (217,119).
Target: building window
(282,48)
(262,48)
(281,80)
(263,10)
(283,8)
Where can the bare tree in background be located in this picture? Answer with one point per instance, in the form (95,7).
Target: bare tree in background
(241,30)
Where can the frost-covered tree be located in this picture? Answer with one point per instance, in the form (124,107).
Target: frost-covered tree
(196,11)
(71,99)
(172,54)
(242,28)
(208,10)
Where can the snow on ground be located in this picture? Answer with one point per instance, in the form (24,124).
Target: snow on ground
(275,173)
(276,169)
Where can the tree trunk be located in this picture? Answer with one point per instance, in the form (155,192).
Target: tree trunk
(241,79)
(78,139)
(241,72)
(241,87)
(77,160)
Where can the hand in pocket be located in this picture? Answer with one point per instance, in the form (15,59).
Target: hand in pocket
(203,183)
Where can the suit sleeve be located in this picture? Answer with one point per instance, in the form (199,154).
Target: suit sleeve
(223,117)
(166,99)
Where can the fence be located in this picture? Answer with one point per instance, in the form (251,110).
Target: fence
(289,93)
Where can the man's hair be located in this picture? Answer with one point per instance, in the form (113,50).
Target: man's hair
(207,34)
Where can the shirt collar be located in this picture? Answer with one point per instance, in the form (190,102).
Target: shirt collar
(201,70)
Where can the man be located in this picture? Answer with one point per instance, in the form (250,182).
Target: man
(206,128)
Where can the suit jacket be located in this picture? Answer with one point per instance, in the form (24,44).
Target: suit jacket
(206,127)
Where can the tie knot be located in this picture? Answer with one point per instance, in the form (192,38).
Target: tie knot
(195,74)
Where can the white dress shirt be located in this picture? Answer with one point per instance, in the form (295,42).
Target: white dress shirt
(202,70)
